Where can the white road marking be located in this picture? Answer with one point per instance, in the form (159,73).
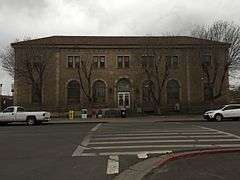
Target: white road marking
(113,165)
(86,140)
(149,134)
(164,141)
(159,137)
(168,146)
(82,147)
(136,142)
(125,153)
(105,131)
(79,150)
(142,155)
(96,127)
(233,135)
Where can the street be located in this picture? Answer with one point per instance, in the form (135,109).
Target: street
(101,150)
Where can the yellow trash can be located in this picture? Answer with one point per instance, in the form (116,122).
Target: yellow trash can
(71,114)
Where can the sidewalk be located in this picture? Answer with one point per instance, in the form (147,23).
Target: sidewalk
(201,167)
(173,118)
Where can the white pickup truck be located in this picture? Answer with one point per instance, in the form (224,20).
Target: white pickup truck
(18,114)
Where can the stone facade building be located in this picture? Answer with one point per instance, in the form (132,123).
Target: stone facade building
(118,77)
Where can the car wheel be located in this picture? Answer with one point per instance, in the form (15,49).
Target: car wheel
(31,121)
(218,117)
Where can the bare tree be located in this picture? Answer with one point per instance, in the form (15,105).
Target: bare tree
(157,71)
(222,31)
(7,57)
(85,71)
(32,68)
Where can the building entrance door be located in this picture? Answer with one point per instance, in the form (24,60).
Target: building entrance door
(124,99)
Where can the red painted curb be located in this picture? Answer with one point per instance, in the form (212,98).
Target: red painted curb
(176,156)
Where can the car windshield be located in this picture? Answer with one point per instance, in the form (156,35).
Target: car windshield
(20,109)
(222,107)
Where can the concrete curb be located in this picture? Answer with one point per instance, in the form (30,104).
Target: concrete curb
(175,156)
(144,168)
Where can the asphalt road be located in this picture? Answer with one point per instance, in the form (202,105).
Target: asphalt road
(101,151)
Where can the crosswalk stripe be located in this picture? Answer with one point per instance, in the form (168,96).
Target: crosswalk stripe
(96,127)
(167,146)
(160,137)
(78,151)
(156,131)
(113,164)
(210,129)
(164,141)
(147,134)
(126,153)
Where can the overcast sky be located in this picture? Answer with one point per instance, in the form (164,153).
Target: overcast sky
(38,18)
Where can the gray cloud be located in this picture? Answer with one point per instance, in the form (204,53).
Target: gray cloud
(23,5)
(38,18)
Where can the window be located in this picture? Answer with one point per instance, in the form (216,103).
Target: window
(102,62)
(231,107)
(147,91)
(147,61)
(208,92)
(169,63)
(99,62)
(95,62)
(70,62)
(73,93)
(173,92)
(123,62)
(120,61)
(206,60)
(175,61)
(126,61)
(77,61)
(73,62)
(9,110)
(123,85)
(172,62)
(20,109)
(99,92)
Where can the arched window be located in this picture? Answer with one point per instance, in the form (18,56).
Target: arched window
(173,92)
(123,85)
(73,93)
(99,92)
(147,91)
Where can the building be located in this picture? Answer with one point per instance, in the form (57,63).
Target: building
(118,77)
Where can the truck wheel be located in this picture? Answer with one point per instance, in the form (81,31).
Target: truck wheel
(218,117)
(31,121)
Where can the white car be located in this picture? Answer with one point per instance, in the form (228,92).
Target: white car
(231,111)
(18,114)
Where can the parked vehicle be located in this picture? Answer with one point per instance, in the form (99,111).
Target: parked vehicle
(231,111)
(18,114)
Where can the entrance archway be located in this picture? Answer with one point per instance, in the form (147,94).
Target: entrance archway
(173,92)
(73,93)
(147,96)
(123,93)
